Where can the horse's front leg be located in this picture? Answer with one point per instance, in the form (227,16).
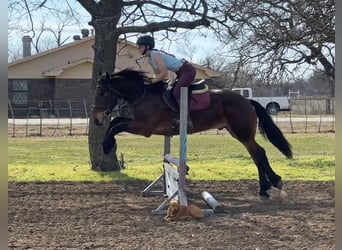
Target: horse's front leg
(116,126)
(117,121)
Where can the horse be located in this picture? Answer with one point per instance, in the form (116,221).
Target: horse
(152,116)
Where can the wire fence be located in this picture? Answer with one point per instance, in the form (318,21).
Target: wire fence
(71,118)
(49,118)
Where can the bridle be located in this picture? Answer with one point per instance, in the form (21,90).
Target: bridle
(108,103)
(108,107)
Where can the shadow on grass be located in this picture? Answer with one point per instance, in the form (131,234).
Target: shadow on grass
(117,176)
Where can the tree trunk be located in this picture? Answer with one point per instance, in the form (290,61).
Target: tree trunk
(104,61)
(100,161)
(328,67)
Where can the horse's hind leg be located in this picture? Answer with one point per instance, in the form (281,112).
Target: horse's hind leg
(267,177)
(271,175)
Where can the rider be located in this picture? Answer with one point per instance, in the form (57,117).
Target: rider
(161,62)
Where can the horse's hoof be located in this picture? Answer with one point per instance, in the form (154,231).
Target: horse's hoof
(279,185)
(264,197)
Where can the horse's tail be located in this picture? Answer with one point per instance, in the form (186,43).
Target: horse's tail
(270,131)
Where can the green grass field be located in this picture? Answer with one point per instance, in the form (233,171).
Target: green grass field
(210,157)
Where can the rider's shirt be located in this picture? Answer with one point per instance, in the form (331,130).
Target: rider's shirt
(171,62)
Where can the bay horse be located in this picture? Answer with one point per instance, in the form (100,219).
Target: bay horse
(151,115)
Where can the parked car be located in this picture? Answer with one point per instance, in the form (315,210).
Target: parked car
(272,104)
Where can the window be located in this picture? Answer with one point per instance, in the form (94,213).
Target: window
(19,92)
(245,93)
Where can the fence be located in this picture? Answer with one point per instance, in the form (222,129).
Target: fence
(50,109)
(49,118)
(313,106)
(71,117)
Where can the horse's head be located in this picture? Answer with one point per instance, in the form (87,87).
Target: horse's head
(106,97)
(127,84)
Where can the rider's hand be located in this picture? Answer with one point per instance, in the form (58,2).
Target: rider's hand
(148,81)
(151,80)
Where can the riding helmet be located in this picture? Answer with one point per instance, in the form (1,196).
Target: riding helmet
(146,40)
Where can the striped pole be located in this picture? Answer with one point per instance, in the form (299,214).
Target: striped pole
(183,142)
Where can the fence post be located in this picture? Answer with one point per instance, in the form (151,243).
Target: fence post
(70,112)
(40,123)
(86,113)
(13,119)
(320,116)
(306,116)
(327,106)
(291,122)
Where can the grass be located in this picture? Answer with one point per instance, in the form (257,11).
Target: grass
(210,157)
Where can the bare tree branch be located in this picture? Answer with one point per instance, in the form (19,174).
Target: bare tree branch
(277,35)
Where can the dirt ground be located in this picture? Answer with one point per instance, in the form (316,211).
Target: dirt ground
(116,216)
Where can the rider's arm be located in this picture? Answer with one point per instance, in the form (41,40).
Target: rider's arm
(162,70)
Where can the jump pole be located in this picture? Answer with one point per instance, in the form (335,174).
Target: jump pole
(174,179)
(212,202)
(182,148)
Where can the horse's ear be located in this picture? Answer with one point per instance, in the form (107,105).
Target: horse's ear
(107,76)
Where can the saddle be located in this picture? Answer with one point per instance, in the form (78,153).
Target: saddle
(199,87)
(199,97)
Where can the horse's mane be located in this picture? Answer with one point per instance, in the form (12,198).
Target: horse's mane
(133,75)
(140,77)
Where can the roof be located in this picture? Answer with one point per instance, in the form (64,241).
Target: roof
(74,61)
(51,51)
(57,71)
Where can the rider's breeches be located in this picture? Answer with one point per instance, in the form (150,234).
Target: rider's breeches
(186,75)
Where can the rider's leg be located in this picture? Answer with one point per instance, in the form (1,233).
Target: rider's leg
(186,76)
(171,100)
(189,121)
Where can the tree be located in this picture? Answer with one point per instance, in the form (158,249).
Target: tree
(280,37)
(113,18)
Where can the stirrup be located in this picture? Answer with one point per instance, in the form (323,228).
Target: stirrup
(189,123)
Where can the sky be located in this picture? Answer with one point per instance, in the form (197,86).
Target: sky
(193,47)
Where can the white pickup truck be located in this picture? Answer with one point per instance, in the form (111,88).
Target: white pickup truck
(272,104)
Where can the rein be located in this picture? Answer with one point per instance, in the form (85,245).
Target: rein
(110,89)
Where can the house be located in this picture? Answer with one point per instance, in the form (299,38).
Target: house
(57,82)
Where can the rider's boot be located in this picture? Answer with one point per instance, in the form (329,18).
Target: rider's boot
(189,121)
